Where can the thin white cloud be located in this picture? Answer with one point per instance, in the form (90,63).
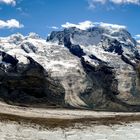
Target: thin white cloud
(19,9)
(92,3)
(54,27)
(22,11)
(126,1)
(137,36)
(82,25)
(88,24)
(113,26)
(9,2)
(12,23)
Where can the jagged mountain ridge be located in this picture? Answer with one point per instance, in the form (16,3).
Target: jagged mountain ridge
(95,69)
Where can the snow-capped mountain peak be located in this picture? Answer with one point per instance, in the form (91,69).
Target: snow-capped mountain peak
(93,68)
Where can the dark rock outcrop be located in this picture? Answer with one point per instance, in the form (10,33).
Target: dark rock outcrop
(28,84)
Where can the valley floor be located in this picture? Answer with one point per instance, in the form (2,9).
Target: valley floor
(15,131)
(23,123)
(58,113)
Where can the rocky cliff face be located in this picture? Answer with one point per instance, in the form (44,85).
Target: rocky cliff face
(97,69)
(23,81)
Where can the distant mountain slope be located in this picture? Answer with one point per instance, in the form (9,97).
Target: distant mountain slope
(97,68)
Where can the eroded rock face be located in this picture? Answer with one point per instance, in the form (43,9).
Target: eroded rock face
(97,69)
(28,84)
(110,59)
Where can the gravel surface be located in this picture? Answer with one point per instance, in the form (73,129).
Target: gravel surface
(58,113)
(22,123)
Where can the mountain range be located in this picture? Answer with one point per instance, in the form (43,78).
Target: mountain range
(97,68)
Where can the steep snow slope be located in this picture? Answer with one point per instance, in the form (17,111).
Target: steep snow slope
(94,68)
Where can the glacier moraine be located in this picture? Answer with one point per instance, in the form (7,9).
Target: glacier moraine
(15,131)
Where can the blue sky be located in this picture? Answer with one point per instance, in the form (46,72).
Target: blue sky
(41,16)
